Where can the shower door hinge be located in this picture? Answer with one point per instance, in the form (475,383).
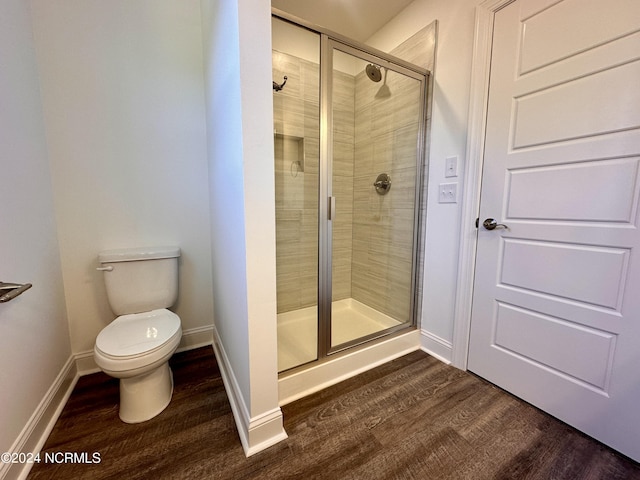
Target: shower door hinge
(477,222)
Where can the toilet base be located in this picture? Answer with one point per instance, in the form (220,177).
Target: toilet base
(144,396)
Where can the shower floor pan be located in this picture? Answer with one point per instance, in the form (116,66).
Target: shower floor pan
(297,330)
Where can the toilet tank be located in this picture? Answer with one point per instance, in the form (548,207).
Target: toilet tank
(140,279)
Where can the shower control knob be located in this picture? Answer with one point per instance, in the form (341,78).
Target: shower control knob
(382,183)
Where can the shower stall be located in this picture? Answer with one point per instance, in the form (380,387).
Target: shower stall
(349,133)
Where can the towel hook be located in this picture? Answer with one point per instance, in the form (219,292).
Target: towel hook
(279,87)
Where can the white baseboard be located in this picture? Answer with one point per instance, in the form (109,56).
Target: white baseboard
(39,426)
(85,363)
(256,433)
(191,339)
(436,347)
(195,338)
(299,384)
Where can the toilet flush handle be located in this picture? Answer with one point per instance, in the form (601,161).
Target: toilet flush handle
(108,268)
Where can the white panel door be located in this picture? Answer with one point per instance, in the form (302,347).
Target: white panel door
(556,305)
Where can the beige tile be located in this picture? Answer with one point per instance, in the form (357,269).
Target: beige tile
(343,91)
(311,120)
(363,159)
(343,159)
(310,194)
(310,81)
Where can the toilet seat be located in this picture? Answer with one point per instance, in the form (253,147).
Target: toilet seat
(137,340)
(138,333)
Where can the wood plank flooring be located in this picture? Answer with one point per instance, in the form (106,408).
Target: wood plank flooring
(413,418)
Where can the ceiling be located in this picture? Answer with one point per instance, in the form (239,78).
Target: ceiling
(356,19)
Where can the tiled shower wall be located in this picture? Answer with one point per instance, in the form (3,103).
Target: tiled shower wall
(297,131)
(342,184)
(296,134)
(386,142)
(372,234)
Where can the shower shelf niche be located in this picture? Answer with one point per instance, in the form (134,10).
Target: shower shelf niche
(292,148)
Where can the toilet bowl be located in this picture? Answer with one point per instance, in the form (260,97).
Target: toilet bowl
(136,347)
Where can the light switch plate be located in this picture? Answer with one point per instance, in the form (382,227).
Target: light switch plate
(448,193)
(451,167)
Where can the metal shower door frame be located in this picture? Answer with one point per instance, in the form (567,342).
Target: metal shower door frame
(326,203)
(330,41)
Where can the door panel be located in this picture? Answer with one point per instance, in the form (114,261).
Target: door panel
(611,108)
(582,273)
(556,310)
(542,340)
(586,30)
(540,193)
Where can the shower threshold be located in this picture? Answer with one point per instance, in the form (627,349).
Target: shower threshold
(297,329)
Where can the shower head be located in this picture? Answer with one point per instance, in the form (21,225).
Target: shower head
(373,72)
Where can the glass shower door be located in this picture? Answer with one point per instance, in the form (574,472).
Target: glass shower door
(295,57)
(348,130)
(376,110)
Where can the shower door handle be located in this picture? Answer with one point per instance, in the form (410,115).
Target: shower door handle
(331,211)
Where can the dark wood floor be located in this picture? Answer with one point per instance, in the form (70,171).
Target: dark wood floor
(413,418)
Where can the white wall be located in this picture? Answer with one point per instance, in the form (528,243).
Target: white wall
(242,202)
(448,138)
(224,131)
(34,336)
(123,94)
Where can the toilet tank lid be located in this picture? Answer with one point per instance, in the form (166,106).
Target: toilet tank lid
(139,253)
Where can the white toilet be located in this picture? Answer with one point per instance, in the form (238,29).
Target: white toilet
(141,283)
